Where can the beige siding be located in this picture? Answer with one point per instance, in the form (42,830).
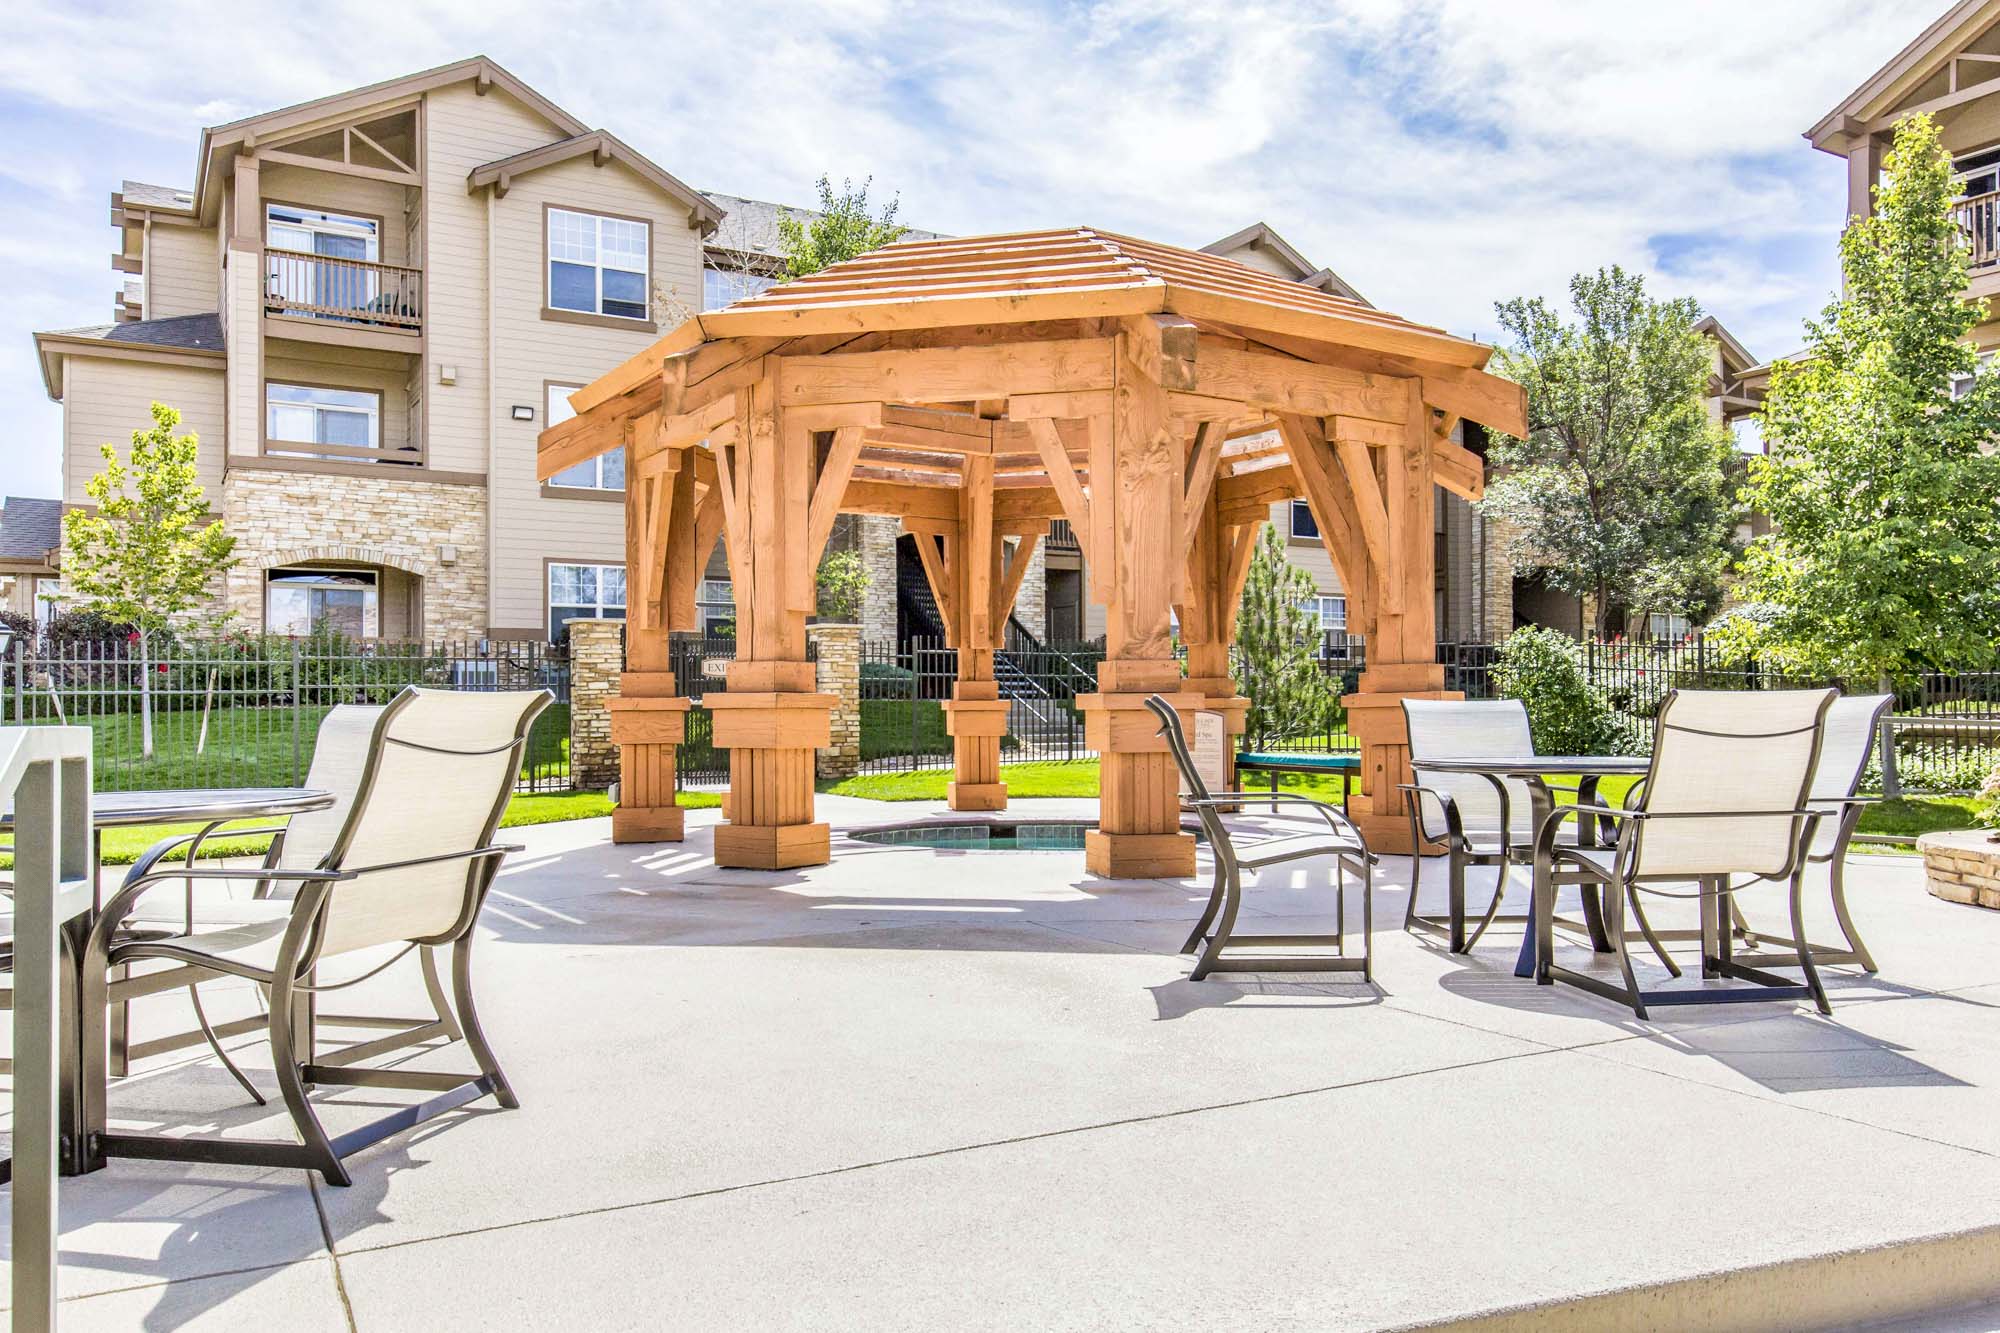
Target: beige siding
(337,193)
(463,130)
(104,401)
(288,362)
(1252,256)
(530,350)
(1306,552)
(182,273)
(243,311)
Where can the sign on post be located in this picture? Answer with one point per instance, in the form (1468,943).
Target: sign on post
(1209,747)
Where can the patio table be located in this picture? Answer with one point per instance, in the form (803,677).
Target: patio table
(1533,770)
(210,807)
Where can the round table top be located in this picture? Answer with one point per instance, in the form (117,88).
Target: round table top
(1536,765)
(110,809)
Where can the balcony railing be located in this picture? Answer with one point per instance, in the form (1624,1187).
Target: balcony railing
(1979,217)
(1061,534)
(348,291)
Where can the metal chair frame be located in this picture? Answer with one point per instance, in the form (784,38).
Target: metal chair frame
(292,986)
(1214,935)
(1622,880)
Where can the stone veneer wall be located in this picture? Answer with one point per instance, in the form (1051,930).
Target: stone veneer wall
(284,518)
(839,673)
(1497,608)
(596,657)
(875,538)
(1031,605)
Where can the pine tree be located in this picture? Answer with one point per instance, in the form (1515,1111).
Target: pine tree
(1276,641)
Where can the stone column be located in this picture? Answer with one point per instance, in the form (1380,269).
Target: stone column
(596,657)
(838,673)
(875,538)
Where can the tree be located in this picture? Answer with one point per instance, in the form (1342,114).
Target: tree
(1884,554)
(843,585)
(147,553)
(1619,492)
(842,229)
(1276,639)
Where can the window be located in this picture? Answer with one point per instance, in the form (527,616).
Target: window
(1331,611)
(298,600)
(1662,625)
(597,265)
(344,423)
(584,592)
(311,232)
(726,286)
(1303,525)
(1961,385)
(48,596)
(717,607)
(606,472)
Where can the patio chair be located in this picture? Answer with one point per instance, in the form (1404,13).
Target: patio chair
(1479,819)
(340,756)
(1852,724)
(1726,795)
(1215,934)
(409,865)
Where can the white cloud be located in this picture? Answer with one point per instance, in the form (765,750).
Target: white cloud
(1440,155)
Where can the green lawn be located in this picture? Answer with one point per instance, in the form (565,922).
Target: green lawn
(123,846)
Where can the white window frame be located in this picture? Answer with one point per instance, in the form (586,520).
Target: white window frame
(275,442)
(591,474)
(597,263)
(716,601)
(318,222)
(737,283)
(599,608)
(1329,610)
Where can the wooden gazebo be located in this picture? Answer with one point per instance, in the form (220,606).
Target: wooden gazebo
(1158,399)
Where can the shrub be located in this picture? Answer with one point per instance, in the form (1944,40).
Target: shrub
(886,676)
(1539,667)
(1987,812)
(843,582)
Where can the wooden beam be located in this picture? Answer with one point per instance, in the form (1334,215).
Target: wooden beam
(1163,346)
(1016,506)
(1088,403)
(1458,469)
(1360,430)
(692,428)
(948,374)
(1204,456)
(1017,570)
(832,484)
(937,569)
(978,554)
(897,500)
(1373,514)
(1062,478)
(835,415)
(1287,384)
(577,440)
(274,157)
(1331,500)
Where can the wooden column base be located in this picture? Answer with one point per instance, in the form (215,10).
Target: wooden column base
(647,730)
(975,727)
(1138,834)
(1375,716)
(771,739)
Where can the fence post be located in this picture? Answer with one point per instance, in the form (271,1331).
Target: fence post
(298,703)
(1892,781)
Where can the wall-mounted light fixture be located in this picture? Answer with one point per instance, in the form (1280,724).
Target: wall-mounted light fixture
(522,412)
(447,555)
(447,374)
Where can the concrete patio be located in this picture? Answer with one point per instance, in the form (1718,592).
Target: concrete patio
(918,1089)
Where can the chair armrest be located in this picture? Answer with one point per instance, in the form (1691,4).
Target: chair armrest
(135,886)
(1454,822)
(354,872)
(1335,817)
(167,846)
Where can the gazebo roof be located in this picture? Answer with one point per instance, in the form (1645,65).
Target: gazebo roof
(1071,273)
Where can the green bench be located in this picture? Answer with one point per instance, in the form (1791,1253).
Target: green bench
(1275,762)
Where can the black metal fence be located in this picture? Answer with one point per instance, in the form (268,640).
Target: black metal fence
(904,687)
(243,710)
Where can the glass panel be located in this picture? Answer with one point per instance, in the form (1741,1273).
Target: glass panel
(572,584)
(572,236)
(285,422)
(614,587)
(1302,520)
(558,408)
(624,244)
(624,293)
(572,287)
(559,615)
(353,428)
(582,475)
(613,476)
(288,609)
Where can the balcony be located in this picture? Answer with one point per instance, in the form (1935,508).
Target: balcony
(1979,217)
(350,294)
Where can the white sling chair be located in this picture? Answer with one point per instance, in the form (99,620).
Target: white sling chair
(410,863)
(1726,795)
(340,757)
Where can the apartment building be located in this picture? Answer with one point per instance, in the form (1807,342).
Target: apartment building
(367,306)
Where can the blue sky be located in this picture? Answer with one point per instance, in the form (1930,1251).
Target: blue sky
(1439,154)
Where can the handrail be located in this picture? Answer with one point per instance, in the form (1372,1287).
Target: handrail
(1979,217)
(352,291)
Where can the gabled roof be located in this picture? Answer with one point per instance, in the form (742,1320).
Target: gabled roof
(1860,111)
(139,194)
(1735,357)
(1260,235)
(481,70)
(29,528)
(185,338)
(1066,273)
(602,146)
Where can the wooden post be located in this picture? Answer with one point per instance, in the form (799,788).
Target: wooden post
(649,716)
(1218,560)
(1137,469)
(771,719)
(1402,635)
(976,716)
